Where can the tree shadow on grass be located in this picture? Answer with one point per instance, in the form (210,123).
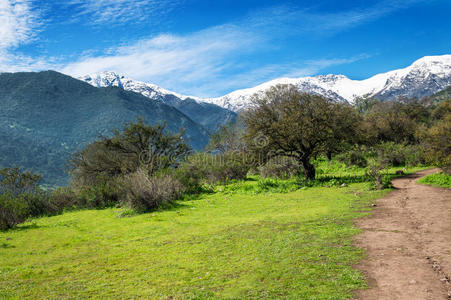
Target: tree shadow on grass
(22,227)
(6,246)
(348,179)
(178,205)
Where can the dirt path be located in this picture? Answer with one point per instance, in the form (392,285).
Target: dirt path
(408,242)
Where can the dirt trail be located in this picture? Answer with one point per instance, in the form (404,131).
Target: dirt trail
(408,242)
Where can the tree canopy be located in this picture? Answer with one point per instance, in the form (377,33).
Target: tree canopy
(284,121)
(138,145)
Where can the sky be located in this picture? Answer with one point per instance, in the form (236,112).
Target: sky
(207,48)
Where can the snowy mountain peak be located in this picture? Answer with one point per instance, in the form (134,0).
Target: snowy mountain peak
(104,79)
(110,78)
(424,77)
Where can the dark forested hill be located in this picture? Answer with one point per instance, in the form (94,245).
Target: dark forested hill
(46,116)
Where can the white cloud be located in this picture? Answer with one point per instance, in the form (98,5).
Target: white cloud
(120,11)
(17,23)
(18,26)
(210,62)
(302,21)
(173,61)
(205,63)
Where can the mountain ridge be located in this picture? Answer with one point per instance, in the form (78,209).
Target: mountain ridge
(423,77)
(207,114)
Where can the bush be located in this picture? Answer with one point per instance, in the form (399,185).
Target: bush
(212,169)
(280,167)
(39,203)
(392,154)
(436,144)
(143,193)
(65,198)
(100,195)
(21,197)
(379,180)
(353,157)
(190,175)
(138,145)
(13,210)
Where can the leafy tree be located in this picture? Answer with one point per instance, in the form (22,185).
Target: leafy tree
(442,110)
(283,121)
(389,122)
(364,104)
(13,181)
(346,123)
(138,146)
(436,143)
(21,197)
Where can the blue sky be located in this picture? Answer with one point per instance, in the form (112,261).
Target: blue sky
(210,48)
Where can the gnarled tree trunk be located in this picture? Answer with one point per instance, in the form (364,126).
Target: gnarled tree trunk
(309,169)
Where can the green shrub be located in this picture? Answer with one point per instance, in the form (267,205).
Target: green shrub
(13,210)
(138,145)
(280,167)
(39,203)
(205,168)
(21,197)
(378,180)
(143,193)
(99,195)
(392,154)
(65,198)
(190,175)
(436,142)
(354,157)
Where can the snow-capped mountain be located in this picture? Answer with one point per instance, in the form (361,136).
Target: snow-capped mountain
(105,79)
(424,77)
(207,114)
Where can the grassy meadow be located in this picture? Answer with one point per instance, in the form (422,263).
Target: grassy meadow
(250,239)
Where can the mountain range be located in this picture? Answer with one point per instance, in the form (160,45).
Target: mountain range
(47,116)
(209,115)
(424,77)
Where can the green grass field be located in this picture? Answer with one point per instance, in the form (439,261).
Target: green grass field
(234,244)
(438,179)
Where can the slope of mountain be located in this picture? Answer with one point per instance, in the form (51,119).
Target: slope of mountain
(46,116)
(440,96)
(424,77)
(207,114)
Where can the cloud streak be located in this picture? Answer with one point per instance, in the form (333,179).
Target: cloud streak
(19,24)
(102,12)
(205,63)
(18,21)
(201,63)
(168,59)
